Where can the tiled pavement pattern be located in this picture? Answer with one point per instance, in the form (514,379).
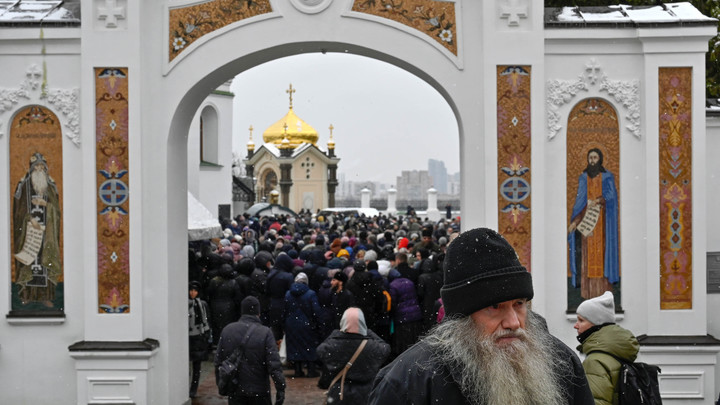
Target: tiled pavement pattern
(300,391)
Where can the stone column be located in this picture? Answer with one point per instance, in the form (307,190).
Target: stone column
(392,198)
(332,184)
(285,183)
(250,172)
(365,198)
(433,213)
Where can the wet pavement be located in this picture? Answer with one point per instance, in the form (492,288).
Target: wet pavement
(300,391)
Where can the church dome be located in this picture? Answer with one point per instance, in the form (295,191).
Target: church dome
(298,131)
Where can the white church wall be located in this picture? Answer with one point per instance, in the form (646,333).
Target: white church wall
(713,219)
(26,342)
(159,159)
(215,182)
(568,55)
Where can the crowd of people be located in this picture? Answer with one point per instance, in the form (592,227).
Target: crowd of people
(306,271)
(436,321)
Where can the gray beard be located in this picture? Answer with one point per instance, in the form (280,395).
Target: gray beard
(39,182)
(524,372)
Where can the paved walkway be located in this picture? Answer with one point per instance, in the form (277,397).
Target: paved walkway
(300,391)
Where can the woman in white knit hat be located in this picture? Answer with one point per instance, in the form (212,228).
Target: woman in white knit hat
(603,342)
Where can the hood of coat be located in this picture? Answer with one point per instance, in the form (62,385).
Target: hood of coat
(298,289)
(612,339)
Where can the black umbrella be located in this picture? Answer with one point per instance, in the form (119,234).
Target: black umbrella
(268,210)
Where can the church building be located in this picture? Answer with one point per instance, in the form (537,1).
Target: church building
(291,163)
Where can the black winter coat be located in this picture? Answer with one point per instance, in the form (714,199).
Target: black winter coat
(428,291)
(413,378)
(260,361)
(224,296)
(278,283)
(368,296)
(337,350)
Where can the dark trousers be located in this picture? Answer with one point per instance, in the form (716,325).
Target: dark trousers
(196,364)
(254,400)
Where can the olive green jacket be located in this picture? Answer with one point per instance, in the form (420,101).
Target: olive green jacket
(601,369)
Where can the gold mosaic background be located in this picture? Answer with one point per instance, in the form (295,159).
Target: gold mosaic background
(514,158)
(592,123)
(675,175)
(434,18)
(113,183)
(36,129)
(187,24)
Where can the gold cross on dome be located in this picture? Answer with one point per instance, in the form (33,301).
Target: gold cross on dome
(251,129)
(290,91)
(331,127)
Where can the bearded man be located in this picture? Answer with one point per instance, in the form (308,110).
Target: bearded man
(593,231)
(36,234)
(491,349)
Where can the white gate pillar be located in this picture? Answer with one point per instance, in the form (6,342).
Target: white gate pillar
(433,213)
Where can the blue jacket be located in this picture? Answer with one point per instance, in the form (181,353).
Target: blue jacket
(301,319)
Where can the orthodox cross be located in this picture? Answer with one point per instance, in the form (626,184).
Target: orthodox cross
(111,13)
(290,91)
(251,129)
(331,129)
(513,12)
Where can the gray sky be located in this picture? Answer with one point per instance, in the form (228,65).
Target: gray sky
(385,119)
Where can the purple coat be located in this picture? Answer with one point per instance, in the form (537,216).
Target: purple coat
(405,305)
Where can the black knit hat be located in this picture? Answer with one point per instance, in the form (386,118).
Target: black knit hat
(250,306)
(341,276)
(482,269)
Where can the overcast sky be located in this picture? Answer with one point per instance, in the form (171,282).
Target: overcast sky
(385,119)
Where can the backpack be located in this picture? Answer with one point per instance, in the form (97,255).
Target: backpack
(638,383)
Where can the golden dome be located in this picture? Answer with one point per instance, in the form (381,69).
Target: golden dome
(298,131)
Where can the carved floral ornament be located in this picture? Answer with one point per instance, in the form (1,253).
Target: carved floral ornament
(34,90)
(625,92)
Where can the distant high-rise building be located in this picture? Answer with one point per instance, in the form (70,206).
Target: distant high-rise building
(438,172)
(413,185)
(454,184)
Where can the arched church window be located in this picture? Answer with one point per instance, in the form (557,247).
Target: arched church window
(209,135)
(268,183)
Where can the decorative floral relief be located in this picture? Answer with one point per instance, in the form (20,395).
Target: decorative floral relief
(560,92)
(187,24)
(32,88)
(434,18)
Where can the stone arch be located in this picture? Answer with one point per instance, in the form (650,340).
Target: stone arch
(189,81)
(268,182)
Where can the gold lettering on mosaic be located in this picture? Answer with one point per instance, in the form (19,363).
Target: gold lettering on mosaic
(187,24)
(36,169)
(593,201)
(514,158)
(113,186)
(434,18)
(675,175)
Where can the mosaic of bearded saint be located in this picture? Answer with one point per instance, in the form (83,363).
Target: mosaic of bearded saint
(593,230)
(36,232)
